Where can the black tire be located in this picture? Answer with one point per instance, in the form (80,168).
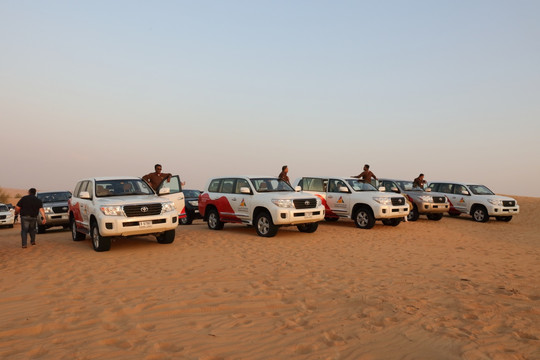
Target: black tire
(413,214)
(264,225)
(391,222)
(167,237)
(363,218)
(10,226)
(214,222)
(308,228)
(331,219)
(434,217)
(480,214)
(504,218)
(77,236)
(100,243)
(40,229)
(186,220)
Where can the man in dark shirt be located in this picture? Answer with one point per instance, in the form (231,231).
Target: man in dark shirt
(155,178)
(283,174)
(366,175)
(419,181)
(29,207)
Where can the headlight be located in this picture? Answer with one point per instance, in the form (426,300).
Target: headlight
(48,210)
(426,198)
(319,201)
(383,200)
(495,202)
(286,203)
(112,210)
(168,206)
(193,203)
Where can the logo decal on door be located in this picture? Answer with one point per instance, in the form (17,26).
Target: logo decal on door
(461,201)
(243,203)
(340,201)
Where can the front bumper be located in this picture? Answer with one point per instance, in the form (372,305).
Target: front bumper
(55,219)
(503,210)
(141,225)
(432,208)
(7,221)
(289,216)
(390,211)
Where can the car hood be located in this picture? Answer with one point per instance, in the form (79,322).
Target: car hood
(131,200)
(55,204)
(285,195)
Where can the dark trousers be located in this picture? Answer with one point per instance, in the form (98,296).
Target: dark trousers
(28,226)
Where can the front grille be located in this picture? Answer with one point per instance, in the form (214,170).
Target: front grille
(60,209)
(142,210)
(508,203)
(397,201)
(439,199)
(305,203)
(2,217)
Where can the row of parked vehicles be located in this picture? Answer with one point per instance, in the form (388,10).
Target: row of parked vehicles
(108,207)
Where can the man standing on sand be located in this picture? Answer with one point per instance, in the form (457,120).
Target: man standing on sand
(155,178)
(366,175)
(29,207)
(283,174)
(419,181)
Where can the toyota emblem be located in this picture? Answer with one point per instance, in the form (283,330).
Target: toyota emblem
(144,209)
(306,203)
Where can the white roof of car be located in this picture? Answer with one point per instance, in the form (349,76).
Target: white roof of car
(454,182)
(105,178)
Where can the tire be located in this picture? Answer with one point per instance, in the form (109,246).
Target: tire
(308,228)
(504,218)
(214,222)
(77,236)
(40,229)
(10,226)
(480,214)
(186,220)
(100,243)
(434,217)
(331,219)
(264,225)
(167,237)
(413,214)
(363,218)
(391,222)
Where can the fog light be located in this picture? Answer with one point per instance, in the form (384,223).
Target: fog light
(283,215)
(108,226)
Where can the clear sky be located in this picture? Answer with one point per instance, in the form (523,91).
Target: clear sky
(207,88)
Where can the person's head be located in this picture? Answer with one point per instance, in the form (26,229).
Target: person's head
(421,176)
(366,167)
(32,191)
(285,168)
(157,167)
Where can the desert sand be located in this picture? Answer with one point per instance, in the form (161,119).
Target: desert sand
(452,289)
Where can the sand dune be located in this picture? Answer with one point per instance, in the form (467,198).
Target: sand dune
(452,289)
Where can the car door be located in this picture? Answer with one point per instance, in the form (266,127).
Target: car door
(227,200)
(86,204)
(242,202)
(461,198)
(338,200)
(175,194)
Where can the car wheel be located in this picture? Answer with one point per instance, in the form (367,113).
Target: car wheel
(413,214)
(308,228)
(391,222)
(10,225)
(435,217)
(100,243)
(167,237)
(331,219)
(186,220)
(504,218)
(214,222)
(77,236)
(363,218)
(40,229)
(264,225)
(480,214)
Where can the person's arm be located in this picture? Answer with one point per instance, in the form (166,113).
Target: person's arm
(17,210)
(372,174)
(169,176)
(42,211)
(146,178)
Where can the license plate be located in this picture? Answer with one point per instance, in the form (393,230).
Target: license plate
(145,224)
(309,215)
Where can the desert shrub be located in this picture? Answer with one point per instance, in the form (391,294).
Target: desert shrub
(3,196)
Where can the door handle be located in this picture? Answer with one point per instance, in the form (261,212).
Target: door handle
(233,199)
(330,196)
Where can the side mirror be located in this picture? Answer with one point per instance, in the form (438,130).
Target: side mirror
(85,195)
(382,189)
(343,189)
(164,191)
(298,188)
(395,189)
(427,189)
(245,190)
(465,192)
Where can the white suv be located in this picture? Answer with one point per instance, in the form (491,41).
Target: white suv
(6,216)
(105,207)
(263,201)
(350,198)
(476,200)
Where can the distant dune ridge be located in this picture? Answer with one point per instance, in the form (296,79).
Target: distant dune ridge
(449,289)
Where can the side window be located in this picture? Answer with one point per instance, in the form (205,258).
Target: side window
(315,184)
(387,186)
(446,188)
(77,189)
(174,185)
(240,183)
(227,186)
(458,189)
(87,186)
(334,185)
(214,185)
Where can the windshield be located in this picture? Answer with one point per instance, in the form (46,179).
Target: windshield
(360,186)
(3,208)
(191,193)
(54,196)
(408,186)
(270,185)
(105,188)
(480,190)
